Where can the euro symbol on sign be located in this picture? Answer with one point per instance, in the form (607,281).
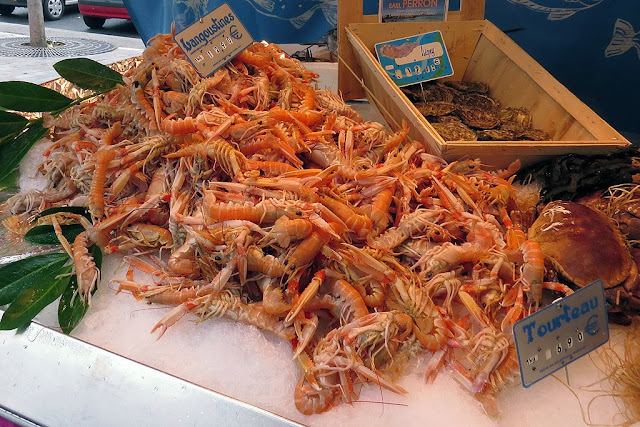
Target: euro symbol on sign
(592,325)
(233,32)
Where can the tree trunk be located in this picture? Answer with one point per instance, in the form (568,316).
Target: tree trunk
(36,24)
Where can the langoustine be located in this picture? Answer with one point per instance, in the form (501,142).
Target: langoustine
(283,209)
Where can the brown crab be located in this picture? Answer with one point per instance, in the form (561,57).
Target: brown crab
(622,204)
(583,245)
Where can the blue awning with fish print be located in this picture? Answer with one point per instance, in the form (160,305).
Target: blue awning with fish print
(278,21)
(591,46)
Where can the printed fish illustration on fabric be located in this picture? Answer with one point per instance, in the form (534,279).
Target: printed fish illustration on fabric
(297,12)
(624,38)
(571,7)
(189,11)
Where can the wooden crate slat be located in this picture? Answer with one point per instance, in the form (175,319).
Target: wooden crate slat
(349,11)
(471,10)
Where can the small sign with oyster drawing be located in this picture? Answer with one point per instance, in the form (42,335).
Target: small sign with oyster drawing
(415,59)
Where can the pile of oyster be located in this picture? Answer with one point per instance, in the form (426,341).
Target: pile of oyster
(463,111)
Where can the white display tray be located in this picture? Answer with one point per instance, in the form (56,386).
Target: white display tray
(112,371)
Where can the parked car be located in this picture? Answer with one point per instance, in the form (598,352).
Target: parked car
(52,9)
(96,12)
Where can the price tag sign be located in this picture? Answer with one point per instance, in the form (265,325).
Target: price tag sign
(415,59)
(561,333)
(214,40)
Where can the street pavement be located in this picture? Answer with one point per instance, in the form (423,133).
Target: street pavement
(40,69)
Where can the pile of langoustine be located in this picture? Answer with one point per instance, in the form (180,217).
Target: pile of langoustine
(281,208)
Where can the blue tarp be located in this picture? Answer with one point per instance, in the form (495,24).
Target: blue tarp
(278,21)
(590,46)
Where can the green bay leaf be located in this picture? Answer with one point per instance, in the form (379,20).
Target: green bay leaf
(23,274)
(88,74)
(30,97)
(13,150)
(9,182)
(45,235)
(79,210)
(71,308)
(32,300)
(11,124)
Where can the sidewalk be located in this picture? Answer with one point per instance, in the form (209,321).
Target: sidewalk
(40,69)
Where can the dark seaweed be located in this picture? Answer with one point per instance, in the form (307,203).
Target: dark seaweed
(573,176)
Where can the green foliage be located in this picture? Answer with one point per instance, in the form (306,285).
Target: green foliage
(32,300)
(23,274)
(30,97)
(29,285)
(13,150)
(71,309)
(88,74)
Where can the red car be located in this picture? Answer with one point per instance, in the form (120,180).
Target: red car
(96,12)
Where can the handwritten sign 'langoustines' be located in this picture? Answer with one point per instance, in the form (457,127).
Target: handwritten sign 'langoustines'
(214,40)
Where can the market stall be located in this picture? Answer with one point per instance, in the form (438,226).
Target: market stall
(310,264)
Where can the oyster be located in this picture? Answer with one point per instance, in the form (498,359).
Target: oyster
(496,135)
(454,131)
(535,135)
(516,120)
(476,100)
(477,87)
(412,94)
(510,114)
(470,101)
(436,92)
(477,118)
(430,92)
(448,119)
(436,108)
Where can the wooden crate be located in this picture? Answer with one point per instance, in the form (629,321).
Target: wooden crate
(478,51)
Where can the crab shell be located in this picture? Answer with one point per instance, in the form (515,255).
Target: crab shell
(584,245)
(625,215)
